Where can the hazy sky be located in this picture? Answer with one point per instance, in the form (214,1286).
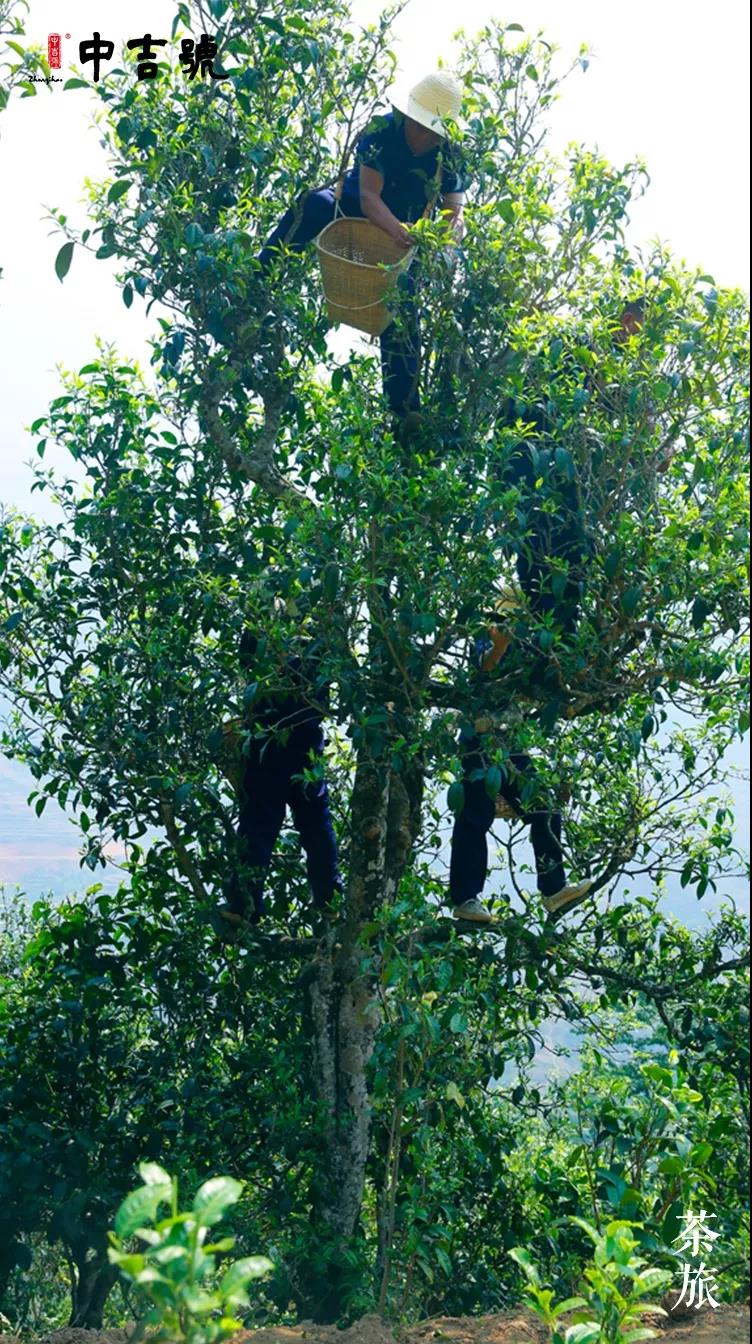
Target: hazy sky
(668,81)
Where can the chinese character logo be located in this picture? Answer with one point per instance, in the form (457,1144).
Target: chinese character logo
(54,47)
(699,1281)
(197,58)
(96,49)
(147,67)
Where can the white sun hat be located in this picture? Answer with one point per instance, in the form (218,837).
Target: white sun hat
(431,101)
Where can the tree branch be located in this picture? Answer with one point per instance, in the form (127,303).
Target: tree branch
(184,860)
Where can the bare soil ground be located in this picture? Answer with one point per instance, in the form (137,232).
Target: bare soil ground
(727,1325)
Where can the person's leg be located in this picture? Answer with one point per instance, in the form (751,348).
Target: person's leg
(545,825)
(262,813)
(300,224)
(400,354)
(312,817)
(468,864)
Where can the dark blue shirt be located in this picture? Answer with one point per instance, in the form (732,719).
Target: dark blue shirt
(295,695)
(411,181)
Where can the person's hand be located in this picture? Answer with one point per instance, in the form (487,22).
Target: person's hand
(402,236)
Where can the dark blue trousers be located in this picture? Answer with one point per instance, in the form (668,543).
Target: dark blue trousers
(468,866)
(269,787)
(400,348)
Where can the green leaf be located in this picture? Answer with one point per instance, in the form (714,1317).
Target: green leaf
(587,1332)
(456,796)
(611,564)
(672,1223)
(63,260)
(443,1259)
(671,1166)
(214,1197)
(243,1272)
(701,609)
(141,1207)
(150,1275)
(657,1074)
(506,210)
(152,1174)
(630,600)
(522,1258)
(569,1304)
(452,1093)
(131,1265)
(331,581)
(564,463)
(75,84)
(492,781)
(167,1255)
(199,1302)
(13,621)
(118,189)
(586,1227)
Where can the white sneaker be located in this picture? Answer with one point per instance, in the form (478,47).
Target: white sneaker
(474,911)
(567,895)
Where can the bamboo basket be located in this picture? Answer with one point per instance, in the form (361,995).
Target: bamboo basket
(360,266)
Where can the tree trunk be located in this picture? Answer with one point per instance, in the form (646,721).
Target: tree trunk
(93,1279)
(344,1012)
